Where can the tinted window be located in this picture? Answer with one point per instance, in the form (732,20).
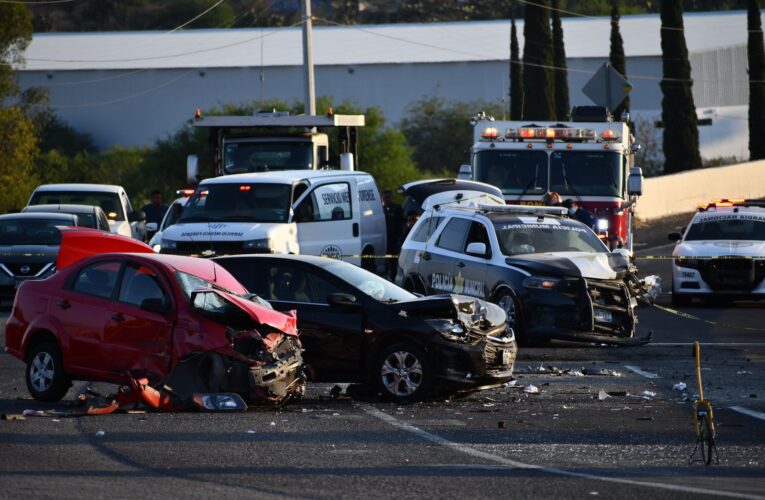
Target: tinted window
(593,172)
(30,232)
(261,156)
(264,202)
(371,284)
(109,202)
(518,238)
(478,234)
(426,229)
(327,202)
(295,284)
(138,284)
(514,172)
(87,220)
(728,227)
(97,279)
(453,235)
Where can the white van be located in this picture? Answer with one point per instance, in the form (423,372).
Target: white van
(311,212)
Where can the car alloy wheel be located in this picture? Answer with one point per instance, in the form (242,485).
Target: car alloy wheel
(41,371)
(403,372)
(507,303)
(45,375)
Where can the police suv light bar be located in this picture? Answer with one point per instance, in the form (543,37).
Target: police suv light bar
(731,202)
(524,209)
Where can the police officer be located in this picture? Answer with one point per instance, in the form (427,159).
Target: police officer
(394,220)
(575,211)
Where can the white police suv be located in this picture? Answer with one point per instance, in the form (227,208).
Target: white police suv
(553,276)
(721,253)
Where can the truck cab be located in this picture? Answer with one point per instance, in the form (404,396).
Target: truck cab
(277,141)
(591,162)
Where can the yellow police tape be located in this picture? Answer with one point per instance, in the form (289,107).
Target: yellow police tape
(636,257)
(708,321)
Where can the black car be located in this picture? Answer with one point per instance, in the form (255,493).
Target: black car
(358,327)
(87,215)
(553,276)
(28,248)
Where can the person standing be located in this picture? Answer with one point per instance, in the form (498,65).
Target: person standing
(155,210)
(394,220)
(579,213)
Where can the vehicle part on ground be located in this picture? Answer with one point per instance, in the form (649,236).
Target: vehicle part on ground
(703,419)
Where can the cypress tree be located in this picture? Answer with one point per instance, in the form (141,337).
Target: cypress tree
(756,53)
(538,90)
(616,55)
(681,133)
(562,107)
(516,74)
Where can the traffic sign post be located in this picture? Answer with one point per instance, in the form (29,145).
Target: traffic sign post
(607,87)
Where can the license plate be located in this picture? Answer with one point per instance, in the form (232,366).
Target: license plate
(504,357)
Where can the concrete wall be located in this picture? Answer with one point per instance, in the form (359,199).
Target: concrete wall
(680,193)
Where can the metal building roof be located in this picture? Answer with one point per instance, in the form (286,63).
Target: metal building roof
(361,44)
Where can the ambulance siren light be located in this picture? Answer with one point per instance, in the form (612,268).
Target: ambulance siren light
(550,133)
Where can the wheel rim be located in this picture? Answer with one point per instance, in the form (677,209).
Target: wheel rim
(507,304)
(402,373)
(41,371)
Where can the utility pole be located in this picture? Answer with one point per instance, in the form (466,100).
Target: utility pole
(310,96)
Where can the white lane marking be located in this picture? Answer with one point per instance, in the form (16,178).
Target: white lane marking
(640,372)
(468,450)
(705,344)
(747,411)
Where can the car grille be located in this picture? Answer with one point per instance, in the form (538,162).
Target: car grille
(732,274)
(609,296)
(26,269)
(493,354)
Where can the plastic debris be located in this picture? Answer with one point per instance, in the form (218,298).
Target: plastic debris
(13,416)
(531,389)
(511,383)
(744,372)
(273,424)
(602,395)
(680,386)
(576,373)
(100,434)
(648,394)
(250,431)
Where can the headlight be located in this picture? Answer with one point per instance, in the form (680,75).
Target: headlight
(602,225)
(169,244)
(540,282)
(157,248)
(261,244)
(690,263)
(449,329)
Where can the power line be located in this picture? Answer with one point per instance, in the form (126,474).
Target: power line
(579,14)
(195,18)
(41,2)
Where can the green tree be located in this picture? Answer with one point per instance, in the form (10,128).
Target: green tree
(756,54)
(440,133)
(616,55)
(678,112)
(15,35)
(538,86)
(18,149)
(516,74)
(562,108)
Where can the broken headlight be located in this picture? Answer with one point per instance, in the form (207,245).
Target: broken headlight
(449,329)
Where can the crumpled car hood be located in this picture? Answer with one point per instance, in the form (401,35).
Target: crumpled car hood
(591,265)
(469,310)
(283,321)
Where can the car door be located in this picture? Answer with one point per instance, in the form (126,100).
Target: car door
(437,262)
(327,221)
(470,268)
(82,312)
(138,330)
(332,335)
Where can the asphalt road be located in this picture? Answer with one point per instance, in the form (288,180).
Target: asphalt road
(564,441)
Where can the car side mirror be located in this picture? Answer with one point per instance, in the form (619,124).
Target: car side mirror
(476,249)
(465,172)
(674,236)
(151,226)
(635,182)
(137,216)
(154,305)
(342,300)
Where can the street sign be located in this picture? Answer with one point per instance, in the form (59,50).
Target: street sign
(607,87)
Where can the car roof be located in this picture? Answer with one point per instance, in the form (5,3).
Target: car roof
(102,188)
(419,190)
(308,259)
(66,208)
(282,177)
(63,217)
(500,217)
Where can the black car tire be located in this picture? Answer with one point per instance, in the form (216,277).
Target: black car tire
(679,300)
(46,380)
(413,382)
(505,294)
(412,285)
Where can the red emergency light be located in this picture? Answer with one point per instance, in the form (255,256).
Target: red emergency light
(609,135)
(547,133)
(245,188)
(185,192)
(722,203)
(490,133)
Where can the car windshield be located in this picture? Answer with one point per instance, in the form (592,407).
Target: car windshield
(728,227)
(595,173)
(30,232)
(236,202)
(172,215)
(242,157)
(514,172)
(190,283)
(518,238)
(109,202)
(371,284)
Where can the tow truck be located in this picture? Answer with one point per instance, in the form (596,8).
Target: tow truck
(264,142)
(590,160)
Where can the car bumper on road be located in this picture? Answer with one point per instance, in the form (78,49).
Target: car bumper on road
(468,366)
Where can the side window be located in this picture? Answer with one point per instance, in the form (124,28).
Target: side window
(478,234)
(140,283)
(426,229)
(454,234)
(97,279)
(294,284)
(326,202)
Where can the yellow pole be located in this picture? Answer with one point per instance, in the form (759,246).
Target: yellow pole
(697,353)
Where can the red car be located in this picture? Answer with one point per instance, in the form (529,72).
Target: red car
(181,322)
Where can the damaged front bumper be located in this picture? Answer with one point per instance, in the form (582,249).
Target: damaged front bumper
(483,361)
